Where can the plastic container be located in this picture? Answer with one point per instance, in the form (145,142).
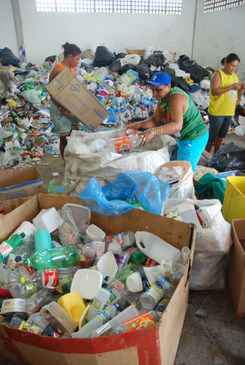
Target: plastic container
(234,200)
(155,248)
(56,258)
(55,185)
(94,233)
(6,247)
(49,219)
(87,282)
(43,240)
(77,215)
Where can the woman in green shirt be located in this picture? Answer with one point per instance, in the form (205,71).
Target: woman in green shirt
(176,113)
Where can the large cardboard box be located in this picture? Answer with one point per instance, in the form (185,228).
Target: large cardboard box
(72,95)
(237,267)
(155,346)
(19,182)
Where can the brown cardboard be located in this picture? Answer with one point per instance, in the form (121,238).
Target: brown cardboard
(156,346)
(12,177)
(72,95)
(237,268)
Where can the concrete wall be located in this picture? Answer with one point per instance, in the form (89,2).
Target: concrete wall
(7,28)
(44,33)
(218,34)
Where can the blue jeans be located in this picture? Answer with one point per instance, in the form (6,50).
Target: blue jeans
(192,149)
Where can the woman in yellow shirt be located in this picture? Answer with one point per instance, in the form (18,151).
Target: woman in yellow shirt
(224,90)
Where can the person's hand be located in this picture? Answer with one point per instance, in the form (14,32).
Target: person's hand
(147,136)
(135,126)
(237,86)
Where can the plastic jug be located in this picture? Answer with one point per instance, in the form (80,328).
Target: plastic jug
(155,248)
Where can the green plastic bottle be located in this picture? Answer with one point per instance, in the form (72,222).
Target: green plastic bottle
(54,258)
(8,246)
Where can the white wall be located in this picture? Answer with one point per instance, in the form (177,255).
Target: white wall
(44,33)
(7,28)
(218,34)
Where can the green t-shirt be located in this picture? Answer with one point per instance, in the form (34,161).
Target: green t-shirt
(193,124)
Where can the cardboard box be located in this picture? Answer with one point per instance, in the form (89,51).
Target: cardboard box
(19,182)
(72,95)
(237,267)
(156,346)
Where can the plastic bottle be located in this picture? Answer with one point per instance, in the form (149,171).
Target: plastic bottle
(6,247)
(99,302)
(21,284)
(104,316)
(55,258)
(38,319)
(151,297)
(144,320)
(55,185)
(38,300)
(126,315)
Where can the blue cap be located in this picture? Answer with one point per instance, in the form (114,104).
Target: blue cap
(160,78)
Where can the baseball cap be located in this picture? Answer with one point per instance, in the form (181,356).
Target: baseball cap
(160,78)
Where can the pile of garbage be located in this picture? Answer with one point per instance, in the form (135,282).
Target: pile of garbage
(62,276)
(119,82)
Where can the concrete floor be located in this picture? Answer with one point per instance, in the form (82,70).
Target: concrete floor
(218,338)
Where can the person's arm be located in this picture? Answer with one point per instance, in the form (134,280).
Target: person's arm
(216,88)
(177,109)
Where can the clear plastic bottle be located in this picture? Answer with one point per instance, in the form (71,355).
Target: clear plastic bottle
(21,284)
(38,300)
(55,258)
(126,315)
(55,185)
(39,320)
(157,291)
(104,316)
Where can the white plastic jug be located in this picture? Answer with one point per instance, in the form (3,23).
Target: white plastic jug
(155,248)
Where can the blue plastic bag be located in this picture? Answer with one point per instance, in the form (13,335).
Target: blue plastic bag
(120,196)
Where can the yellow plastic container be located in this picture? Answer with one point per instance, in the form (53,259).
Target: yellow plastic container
(73,304)
(234,201)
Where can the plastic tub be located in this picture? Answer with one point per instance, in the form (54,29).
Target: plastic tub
(234,201)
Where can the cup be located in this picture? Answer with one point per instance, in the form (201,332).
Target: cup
(107,265)
(87,283)
(94,233)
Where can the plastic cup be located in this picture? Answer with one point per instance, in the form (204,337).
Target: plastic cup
(87,283)
(107,265)
(134,283)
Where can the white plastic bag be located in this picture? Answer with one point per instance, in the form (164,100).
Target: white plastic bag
(212,243)
(181,172)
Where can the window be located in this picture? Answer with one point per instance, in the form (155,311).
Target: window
(213,5)
(166,7)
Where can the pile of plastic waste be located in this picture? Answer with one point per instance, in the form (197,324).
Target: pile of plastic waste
(61,276)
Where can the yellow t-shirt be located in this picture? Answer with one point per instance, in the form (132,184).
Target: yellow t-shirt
(225,104)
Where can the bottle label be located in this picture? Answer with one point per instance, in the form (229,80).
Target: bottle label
(143,321)
(50,279)
(5,249)
(13,306)
(122,144)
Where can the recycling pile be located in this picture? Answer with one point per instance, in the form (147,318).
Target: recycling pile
(61,276)
(117,80)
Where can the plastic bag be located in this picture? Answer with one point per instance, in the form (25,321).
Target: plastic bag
(212,242)
(211,187)
(123,194)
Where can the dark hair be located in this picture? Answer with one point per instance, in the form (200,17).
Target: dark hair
(230,58)
(71,50)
